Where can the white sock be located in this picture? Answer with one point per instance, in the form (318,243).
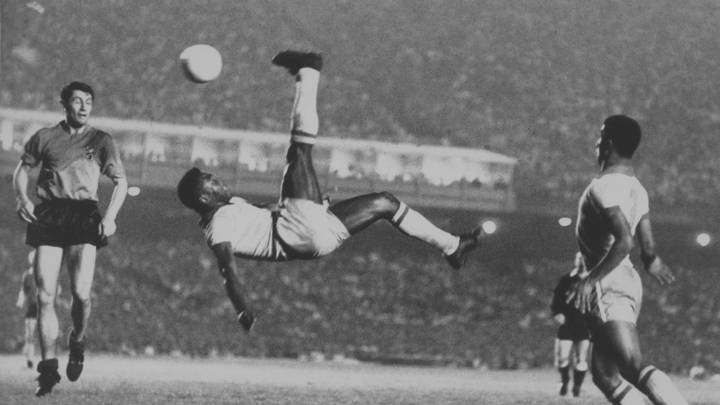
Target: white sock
(304,112)
(416,225)
(659,388)
(626,394)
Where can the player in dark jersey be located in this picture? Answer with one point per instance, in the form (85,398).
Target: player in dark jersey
(613,211)
(27,300)
(67,224)
(573,335)
(302,227)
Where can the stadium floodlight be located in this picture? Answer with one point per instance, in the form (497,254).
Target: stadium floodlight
(564,221)
(489,226)
(133,191)
(703,239)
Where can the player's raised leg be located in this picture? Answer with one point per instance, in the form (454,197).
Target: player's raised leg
(47,269)
(81,265)
(299,179)
(359,212)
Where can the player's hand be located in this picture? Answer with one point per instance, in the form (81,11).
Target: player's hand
(246,320)
(660,271)
(25,209)
(107,227)
(582,295)
(560,319)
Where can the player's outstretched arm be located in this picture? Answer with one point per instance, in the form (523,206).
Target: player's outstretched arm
(582,294)
(226,262)
(653,265)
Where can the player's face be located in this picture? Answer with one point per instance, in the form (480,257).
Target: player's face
(602,149)
(215,189)
(78,107)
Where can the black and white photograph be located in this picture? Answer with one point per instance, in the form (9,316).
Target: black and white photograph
(407,202)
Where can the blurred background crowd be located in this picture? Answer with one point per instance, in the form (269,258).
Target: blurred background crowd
(532,80)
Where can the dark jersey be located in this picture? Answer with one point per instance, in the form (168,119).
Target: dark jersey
(575,326)
(71,165)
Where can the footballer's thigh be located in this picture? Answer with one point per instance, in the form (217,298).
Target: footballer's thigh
(81,266)
(619,340)
(359,212)
(47,270)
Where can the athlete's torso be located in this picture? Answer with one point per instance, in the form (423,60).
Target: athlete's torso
(70,165)
(248,228)
(593,231)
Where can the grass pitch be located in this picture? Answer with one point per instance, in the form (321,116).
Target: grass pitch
(161,380)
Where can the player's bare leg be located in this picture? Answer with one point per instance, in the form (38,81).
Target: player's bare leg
(580,349)
(299,179)
(47,270)
(81,265)
(563,350)
(29,345)
(616,350)
(359,212)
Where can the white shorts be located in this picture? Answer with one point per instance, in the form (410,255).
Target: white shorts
(308,229)
(619,295)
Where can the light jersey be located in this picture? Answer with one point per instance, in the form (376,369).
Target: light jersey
(593,230)
(248,228)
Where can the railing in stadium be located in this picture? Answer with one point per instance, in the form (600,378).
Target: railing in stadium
(156,154)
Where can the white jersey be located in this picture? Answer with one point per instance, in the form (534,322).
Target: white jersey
(608,190)
(299,228)
(248,228)
(620,291)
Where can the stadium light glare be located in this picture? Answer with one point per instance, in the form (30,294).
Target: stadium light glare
(703,239)
(489,227)
(564,221)
(133,191)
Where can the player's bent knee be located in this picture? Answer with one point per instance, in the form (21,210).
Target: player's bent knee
(386,202)
(581,366)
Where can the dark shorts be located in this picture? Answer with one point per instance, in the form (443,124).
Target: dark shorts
(31,311)
(573,332)
(64,223)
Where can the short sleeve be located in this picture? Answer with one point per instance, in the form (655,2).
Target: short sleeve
(220,229)
(110,163)
(31,152)
(609,191)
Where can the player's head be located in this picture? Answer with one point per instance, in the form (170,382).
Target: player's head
(77,99)
(620,134)
(202,191)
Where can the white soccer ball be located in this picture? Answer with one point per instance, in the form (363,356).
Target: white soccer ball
(201,63)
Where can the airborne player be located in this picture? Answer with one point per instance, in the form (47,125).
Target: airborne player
(301,227)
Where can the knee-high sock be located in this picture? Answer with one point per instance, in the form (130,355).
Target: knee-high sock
(416,225)
(304,112)
(626,394)
(659,388)
(564,374)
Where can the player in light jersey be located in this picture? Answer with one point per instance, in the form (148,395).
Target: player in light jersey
(612,212)
(301,226)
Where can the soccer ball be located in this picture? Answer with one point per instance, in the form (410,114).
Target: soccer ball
(201,63)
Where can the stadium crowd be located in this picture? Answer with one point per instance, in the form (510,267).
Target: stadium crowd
(528,80)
